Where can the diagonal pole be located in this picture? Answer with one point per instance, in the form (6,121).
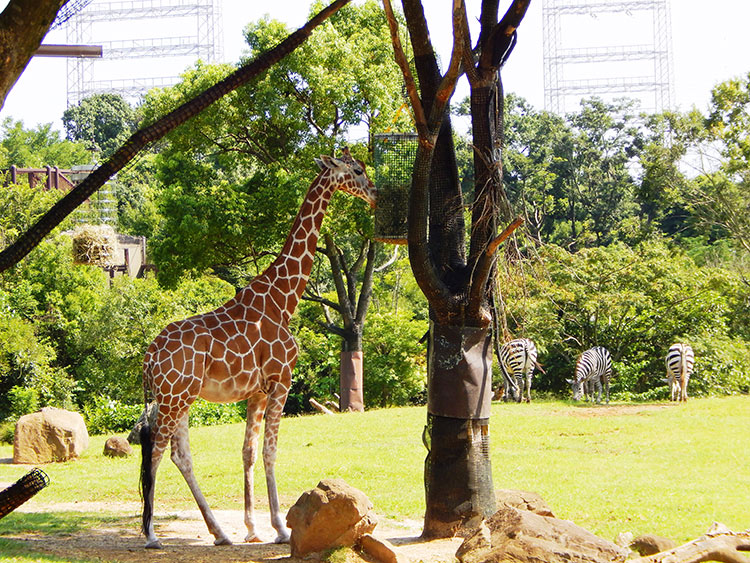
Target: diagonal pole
(141,138)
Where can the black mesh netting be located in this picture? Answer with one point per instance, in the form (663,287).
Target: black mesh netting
(22,490)
(458,472)
(394,155)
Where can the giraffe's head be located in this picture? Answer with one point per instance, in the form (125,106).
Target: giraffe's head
(348,174)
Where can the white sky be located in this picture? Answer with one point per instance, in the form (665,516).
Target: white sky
(704,53)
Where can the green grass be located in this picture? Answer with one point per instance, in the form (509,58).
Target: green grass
(671,471)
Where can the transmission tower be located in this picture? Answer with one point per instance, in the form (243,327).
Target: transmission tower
(145,43)
(607,48)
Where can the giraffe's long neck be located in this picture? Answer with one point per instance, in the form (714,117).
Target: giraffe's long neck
(287,276)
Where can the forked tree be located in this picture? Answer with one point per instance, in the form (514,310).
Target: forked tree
(455,277)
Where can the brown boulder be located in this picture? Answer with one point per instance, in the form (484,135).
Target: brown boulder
(519,535)
(49,435)
(117,447)
(333,514)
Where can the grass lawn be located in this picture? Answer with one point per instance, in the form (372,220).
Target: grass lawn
(667,469)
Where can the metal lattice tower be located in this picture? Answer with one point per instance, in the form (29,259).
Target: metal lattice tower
(639,63)
(171,33)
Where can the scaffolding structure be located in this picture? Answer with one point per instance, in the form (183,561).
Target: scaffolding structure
(186,30)
(642,68)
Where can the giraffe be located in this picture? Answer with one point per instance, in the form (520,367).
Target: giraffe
(242,350)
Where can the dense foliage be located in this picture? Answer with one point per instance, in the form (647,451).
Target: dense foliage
(632,240)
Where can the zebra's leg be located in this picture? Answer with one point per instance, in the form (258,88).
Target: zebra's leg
(519,388)
(528,388)
(598,385)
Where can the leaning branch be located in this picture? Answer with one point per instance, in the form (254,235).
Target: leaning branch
(484,266)
(142,138)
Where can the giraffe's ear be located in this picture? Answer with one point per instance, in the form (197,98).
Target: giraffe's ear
(325,162)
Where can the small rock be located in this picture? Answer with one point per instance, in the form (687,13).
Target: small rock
(381,550)
(624,539)
(117,447)
(648,544)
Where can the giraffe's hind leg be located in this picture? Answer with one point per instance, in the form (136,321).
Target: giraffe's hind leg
(158,445)
(184,462)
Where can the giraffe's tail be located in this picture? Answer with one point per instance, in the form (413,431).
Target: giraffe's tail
(147,478)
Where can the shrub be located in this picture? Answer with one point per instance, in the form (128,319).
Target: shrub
(110,415)
(205,413)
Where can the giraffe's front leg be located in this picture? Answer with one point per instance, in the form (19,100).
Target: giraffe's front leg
(276,400)
(256,406)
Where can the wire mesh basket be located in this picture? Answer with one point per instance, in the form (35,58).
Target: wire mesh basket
(394,155)
(22,490)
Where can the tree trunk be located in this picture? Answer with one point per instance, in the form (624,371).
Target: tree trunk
(458,478)
(458,472)
(23,25)
(351,382)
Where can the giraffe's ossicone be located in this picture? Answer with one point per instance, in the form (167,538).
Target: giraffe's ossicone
(242,350)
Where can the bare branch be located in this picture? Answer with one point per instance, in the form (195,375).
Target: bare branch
(420,121)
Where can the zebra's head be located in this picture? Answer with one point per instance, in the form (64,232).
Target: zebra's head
(577,387)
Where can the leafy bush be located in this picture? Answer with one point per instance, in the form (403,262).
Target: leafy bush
(110,415)
(636,302)
(395,371)
(205,413)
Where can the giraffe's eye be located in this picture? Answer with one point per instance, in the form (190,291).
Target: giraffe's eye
(358,171)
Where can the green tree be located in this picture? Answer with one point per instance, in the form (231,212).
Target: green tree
(39,146)
(102,121)
(719,195)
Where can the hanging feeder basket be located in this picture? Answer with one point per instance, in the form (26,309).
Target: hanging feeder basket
(94,245)
(394,161)
(22,490)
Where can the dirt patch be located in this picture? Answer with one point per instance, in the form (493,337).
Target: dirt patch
(618,410)
(186,539)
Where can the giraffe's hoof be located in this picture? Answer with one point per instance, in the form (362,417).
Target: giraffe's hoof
(222,541)
(153,544)
(253,539)
(283,537)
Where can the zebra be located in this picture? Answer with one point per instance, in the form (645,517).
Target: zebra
(517,359)
(679,362)
(593,368)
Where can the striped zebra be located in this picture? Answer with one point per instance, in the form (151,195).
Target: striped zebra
(593,369)
(517,360)
(679,362)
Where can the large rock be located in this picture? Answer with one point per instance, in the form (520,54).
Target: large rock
(49,435)
(331,515)
(522,536)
